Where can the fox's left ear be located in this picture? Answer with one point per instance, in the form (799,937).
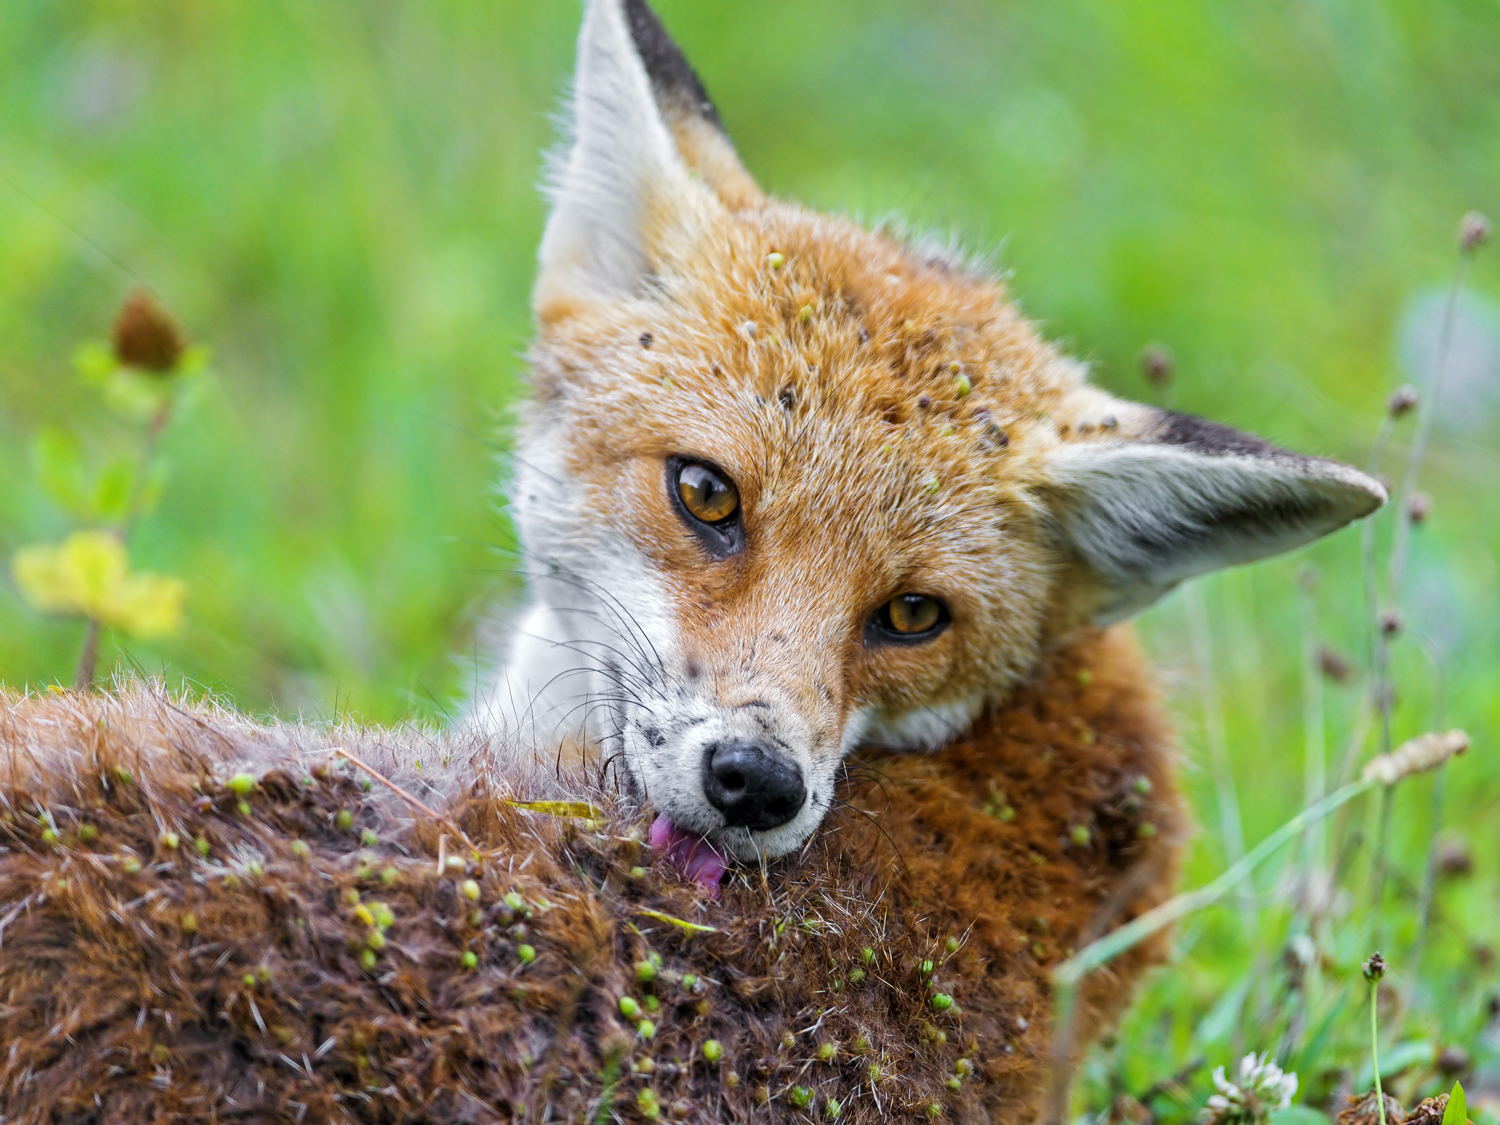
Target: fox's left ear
(648,168)
(1139,507)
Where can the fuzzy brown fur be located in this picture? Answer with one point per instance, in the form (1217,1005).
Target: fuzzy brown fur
(141,982)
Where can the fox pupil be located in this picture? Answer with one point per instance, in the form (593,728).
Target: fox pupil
(707,494)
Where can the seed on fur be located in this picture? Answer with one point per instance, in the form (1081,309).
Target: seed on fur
(526,953)
(925,968)
(244,808)
(375,940)
(962,386)
(857,977)
(351,896)
(653,1004)
(1141,785)
(369,838)
(646,1102)
(955,1084)
(300,849)
(512,899)
(932,485)
(951,945)
(344,821)
(124,775)
(1081,835)
(469,959)
(455,863)
(963,1068)
(713,1051)
(800,1096)
(689,980)
(646,1029)
(806,314)
(637,872)
(776,260)
(470,890)
(249,980)
(867,955)
(189,923)
(264,974)
(645,971)
(87,833)
(833,1108)
(874,1072)
(369,960)
(629,1008)
(827,1052)
(170,840)
(131,865)
(49,835)
(363,916)
(934,1110)
(254,869)
(941,1001)
(1146,831)
(788,1041)
(241,784)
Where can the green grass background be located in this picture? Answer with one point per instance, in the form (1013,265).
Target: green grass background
(340,200)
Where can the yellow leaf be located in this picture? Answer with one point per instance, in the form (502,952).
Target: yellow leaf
(88,575)
(681,923)
(577,809)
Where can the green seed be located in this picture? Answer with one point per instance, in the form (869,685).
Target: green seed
(469,960)
(389,875)
(202,845)
(1146,831)
(925,968)
(368,838)
(366,784)
(874,1071)
(868,955)
(189,923)
(254,869)
(264,974)
(645,971)
(455,863)
(637,872)
(833,1108)
(941,1001)
(241,784)
(801,1097)
(955,1084)
(514,901)
(526,953)
(653,1004)
(857,977)
(962,386)
(249,980)
(861,1045)
(364,916)
(646,1102)
(476,918)
(170,840)
(375,940)
(1142,785)
(351,896)
(87,833)
(470,890)
(131,865)
(777,260)
(713,1050)
(951,945)
(344,821)
(1081,835)
(300,849)
(369,960)
(689,980)
(244,808)
(788,1042)
(629,1008)
(49,835)
(934,1110)
(646,1029)
(963,1068)
(1085,678)
(124,775)
(827,1052)
(805,315)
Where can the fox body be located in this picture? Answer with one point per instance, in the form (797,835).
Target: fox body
(787,487)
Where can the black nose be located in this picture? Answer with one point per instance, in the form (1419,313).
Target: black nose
(752,786)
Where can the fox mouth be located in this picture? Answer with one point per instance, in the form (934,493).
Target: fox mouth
(694,855)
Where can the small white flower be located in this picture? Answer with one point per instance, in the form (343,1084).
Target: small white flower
(1260,1088)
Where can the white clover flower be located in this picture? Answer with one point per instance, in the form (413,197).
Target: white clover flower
(1259,1088)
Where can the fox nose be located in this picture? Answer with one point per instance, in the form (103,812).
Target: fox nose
(752,786)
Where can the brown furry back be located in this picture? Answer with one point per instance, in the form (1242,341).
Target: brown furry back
(169,953)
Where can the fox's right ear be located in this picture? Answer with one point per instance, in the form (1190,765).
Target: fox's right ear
(625,203)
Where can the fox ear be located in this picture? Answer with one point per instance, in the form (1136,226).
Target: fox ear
(1183,497)
(624,201)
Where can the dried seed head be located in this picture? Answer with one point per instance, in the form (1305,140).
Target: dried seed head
(1419,507)
(1157,365)
(1403,401)
(1335,666)
(1390,622)
(1417,756)
(146,337)
(1374,968)
(1455,859)
(1366,1110)
(1473,232)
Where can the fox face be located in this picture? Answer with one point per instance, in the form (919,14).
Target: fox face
(787,486)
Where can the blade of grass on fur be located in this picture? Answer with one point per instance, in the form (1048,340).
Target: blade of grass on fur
(681,923)
(405,796)
(577,810)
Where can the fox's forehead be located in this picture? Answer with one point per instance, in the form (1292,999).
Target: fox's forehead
(824,366)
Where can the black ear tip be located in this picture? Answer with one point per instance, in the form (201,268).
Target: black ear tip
(672,76)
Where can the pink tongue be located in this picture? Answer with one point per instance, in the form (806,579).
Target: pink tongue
(695,855)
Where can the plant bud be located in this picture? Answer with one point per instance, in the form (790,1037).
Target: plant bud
(1419,507)
(1403,401)
(1473,232)
(1335,666)
(1157,365)
(1390,622)
(1375,968)
(146,337)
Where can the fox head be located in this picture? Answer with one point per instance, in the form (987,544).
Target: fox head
(787,486)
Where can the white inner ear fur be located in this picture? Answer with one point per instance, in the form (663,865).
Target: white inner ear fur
(1144,516)
(622,189)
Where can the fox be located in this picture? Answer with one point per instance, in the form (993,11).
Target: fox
(788,488)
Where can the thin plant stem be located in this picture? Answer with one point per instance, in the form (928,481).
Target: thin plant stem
(1314,746)
(88,659)
(1375,1046)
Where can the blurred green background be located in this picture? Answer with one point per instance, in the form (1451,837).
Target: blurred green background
(340,200)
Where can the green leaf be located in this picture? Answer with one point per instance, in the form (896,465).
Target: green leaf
(1457,1112)
(59,467)
(1224,1017)
(1403,1056)
(114,490)
(1298,1115)
(95,362)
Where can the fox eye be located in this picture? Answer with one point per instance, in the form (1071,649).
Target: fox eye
(709,504)
(908,619)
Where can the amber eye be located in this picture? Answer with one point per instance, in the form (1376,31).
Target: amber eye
(908,619)
(707,494)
